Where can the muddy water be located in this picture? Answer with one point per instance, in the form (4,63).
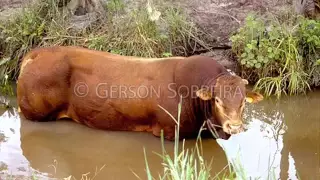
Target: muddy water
(283,138)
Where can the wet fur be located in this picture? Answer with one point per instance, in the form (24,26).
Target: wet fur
(45,89)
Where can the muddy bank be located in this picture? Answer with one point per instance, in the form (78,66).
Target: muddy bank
(219,18)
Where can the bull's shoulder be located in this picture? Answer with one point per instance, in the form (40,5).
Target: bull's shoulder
(197,69)
(198,64)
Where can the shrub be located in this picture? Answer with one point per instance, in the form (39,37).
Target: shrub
(279,54)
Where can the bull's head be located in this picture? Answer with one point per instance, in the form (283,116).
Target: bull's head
(228,99)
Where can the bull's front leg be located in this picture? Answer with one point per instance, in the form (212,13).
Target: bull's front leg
(168,131)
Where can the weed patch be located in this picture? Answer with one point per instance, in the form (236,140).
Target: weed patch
(279,54)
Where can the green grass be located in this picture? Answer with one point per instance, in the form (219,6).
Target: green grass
(279,54)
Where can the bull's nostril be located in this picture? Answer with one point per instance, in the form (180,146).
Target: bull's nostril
(232,128)
(228,125)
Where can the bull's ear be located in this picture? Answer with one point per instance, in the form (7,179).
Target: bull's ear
(204,94)
(253,97)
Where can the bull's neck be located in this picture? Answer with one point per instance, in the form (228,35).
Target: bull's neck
(202,110)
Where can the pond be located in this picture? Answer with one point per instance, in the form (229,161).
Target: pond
(283,137)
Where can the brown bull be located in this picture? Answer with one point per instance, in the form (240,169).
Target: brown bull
(114,92)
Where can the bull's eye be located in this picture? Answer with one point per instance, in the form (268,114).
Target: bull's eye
(241,105)
(218,101)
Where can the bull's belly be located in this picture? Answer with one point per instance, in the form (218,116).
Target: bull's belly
(120,124)
(116,114)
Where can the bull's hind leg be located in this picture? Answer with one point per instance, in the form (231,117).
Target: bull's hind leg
(42,88)
(39,104)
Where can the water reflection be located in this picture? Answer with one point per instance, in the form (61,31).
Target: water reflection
(256,153)
(12,160)
(282,138)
